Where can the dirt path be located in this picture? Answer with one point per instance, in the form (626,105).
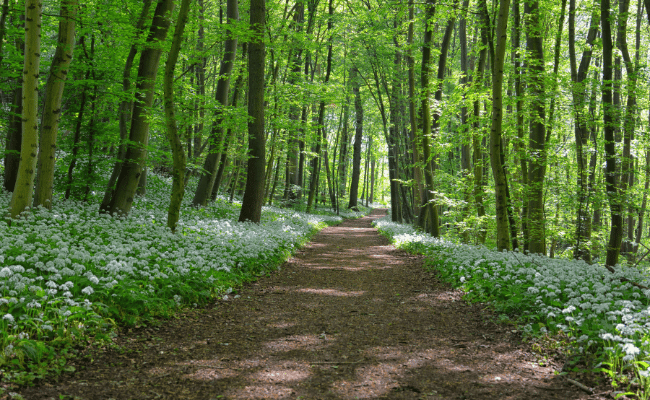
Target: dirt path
(349,317)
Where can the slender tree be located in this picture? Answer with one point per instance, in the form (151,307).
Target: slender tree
(358,136)
(23,192)
(496,142)
(52,108)
(136,153)
(218,133)
(537,137)
(178,153)
(253,200)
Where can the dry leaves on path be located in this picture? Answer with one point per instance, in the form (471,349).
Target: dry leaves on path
(349,317)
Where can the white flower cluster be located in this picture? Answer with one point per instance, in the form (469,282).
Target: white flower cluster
(585,301)
(58,260)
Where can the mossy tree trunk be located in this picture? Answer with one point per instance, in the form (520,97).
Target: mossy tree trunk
(52,108)
(24,188)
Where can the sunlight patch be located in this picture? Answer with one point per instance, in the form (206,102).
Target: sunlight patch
(260,392)
(210,374)
(372,381)
(299,342)
(282,373)
(332,292)
(281,325)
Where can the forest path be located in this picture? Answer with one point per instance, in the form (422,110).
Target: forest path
(349,317)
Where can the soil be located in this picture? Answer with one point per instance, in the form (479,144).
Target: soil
(349,317)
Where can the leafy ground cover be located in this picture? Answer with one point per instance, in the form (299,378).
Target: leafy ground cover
(69,276)
(603,316)
(347,317)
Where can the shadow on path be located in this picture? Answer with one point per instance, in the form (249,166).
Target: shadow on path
(349,317)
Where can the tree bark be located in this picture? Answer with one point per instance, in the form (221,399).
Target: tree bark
(178,153)
(358,136)
(253,200)
(217,136)
(503,240)
(581,130)
(322,139)
(136,153)
(537,137)
(22,196)
(52,108)
(429,204)
(126,108)
(611,185)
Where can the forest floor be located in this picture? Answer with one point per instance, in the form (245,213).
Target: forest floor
(348,317)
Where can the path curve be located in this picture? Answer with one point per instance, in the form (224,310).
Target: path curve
(349,317)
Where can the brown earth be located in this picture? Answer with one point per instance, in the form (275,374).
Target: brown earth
(349,317)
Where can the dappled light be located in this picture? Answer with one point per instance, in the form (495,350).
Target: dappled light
(368,333)
(332,292)
(299,342)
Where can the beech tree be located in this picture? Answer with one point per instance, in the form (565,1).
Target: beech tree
(23,191)
(130,172)
(253,200)
(52,108)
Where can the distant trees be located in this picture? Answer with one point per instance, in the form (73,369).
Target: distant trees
(485,138)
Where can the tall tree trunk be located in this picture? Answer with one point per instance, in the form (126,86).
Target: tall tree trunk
(611,184)
(22,196)
(239,84)
(178,153)
(503,240)
(520,144)
(52,108)
(629,120)
(136,153)
(465,155)
(210,166)
(356,157)
(579,92)
(253,200)
(293,174)
(413,132)
(322,139)
(431,209)
(537,138)
(126,107)
(477,135)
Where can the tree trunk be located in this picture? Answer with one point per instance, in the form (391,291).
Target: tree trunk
(503,240)
(465,158)
(210,166)
(253,200)
(136,153)
(52,108)
(126,108)
(611,185)
(178,153)
(22,196)
(415,144)
(537,138)
(322,139)
(431,209)
(358,136)
(578,76)
(239,84)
